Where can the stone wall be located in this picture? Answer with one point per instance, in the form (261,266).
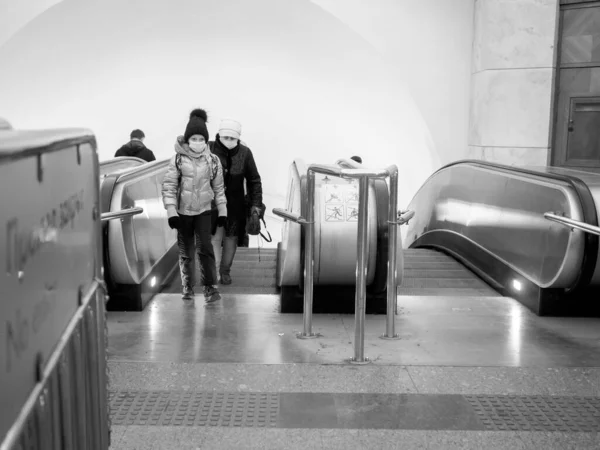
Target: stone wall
(511,84)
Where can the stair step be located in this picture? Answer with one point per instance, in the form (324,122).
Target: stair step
(252,272)
(435,273)
(263,265)
(427,258)
(242,281)
(434,292)
(271,262)
(436,265)
(263,251)
(443,283)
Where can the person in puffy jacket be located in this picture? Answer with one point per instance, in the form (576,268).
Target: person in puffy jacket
(136,147)
(194,180)
(238,167)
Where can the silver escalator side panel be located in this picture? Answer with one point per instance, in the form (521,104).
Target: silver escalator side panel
(121,162)
(336,209)
(592,181)
(290,251)
(501,212)
(138,243)
(336,217)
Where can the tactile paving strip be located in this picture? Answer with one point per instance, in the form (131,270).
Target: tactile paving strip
(222,409)
(537,413)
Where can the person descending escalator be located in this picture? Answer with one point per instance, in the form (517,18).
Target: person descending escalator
(192,184)
(136,147)
(238,167)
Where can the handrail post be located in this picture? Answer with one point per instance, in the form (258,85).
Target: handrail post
(309,237)
(392,272)
(361,272)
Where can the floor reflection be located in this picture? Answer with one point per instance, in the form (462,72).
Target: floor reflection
(453,331)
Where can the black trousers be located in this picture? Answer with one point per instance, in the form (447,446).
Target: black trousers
(194,236)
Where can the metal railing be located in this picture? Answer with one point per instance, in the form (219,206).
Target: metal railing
(572,223)
(122,213)
(394,219)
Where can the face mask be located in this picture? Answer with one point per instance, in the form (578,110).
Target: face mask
(229,144)
(197,147)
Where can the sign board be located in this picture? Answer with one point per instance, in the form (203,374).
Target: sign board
(48,245)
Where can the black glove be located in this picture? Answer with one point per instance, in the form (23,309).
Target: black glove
(174,222)
(222,221)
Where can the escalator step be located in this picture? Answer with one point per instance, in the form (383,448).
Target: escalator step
(433,292)
(443,283)
(438,265)
(440,274)
(263,258)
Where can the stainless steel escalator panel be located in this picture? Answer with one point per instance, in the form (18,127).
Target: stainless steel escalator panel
(336,217)
(502,212)
(290,251)
(335,237)
(592,181)
(116,164)
(137,243)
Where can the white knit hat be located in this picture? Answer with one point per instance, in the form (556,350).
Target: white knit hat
(230,128)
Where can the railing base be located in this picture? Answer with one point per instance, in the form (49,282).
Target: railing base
(360,363)
(395,337)
(308,336)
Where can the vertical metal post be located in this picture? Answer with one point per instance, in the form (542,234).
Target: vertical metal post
(392,252)
(361,273)
(309,238)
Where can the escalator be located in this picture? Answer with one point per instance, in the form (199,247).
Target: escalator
(479,230)
(428,272)
(139,251)
(490,218)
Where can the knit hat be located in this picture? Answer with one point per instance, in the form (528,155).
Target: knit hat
(196,125)
(230,128)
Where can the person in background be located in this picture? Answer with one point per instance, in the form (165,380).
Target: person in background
(238,166)
(136,148)
(194,179)
(358,159)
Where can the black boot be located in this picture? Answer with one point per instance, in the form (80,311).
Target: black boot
(225,278)
(211,294)
(188,293)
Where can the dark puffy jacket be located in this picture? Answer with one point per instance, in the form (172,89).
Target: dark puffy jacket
(136,149)
(238,166)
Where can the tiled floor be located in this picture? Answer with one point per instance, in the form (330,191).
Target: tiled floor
(463,369)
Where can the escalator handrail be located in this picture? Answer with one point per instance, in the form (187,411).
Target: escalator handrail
(571,223)
(135,172)
(122,158)
(127,212)
(588,207)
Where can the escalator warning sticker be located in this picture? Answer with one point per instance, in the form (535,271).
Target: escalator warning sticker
(333,194)
(352,212)
(334,213)
(341,203)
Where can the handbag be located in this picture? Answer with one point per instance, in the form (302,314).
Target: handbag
(253,220)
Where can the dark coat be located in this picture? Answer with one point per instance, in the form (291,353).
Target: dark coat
(238,166)
(136,149)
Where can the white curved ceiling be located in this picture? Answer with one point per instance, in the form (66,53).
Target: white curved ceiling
(302,83)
